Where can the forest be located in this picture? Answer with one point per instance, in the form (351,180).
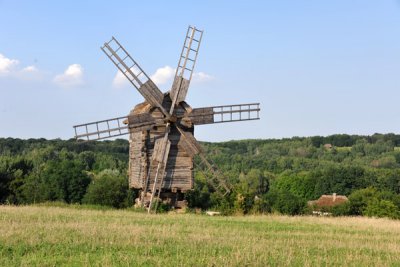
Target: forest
(267,176)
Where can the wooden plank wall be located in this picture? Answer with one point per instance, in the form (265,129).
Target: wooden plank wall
(137,162)
(179,169)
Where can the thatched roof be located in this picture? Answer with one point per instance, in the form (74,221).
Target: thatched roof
(328,201)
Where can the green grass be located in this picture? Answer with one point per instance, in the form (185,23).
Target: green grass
(343,148)
(397,148)
(57,236)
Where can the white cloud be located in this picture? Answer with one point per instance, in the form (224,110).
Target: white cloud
(30,69)
(200,77)
(6,64)
(160,77)
(163,75)
(120,80)
(10,68)
(72,76)
(31,73)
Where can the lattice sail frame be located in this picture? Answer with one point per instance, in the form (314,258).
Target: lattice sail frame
(114,127)
(103,129)
(186,64)
(134,73)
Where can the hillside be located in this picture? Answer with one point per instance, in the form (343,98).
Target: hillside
(267,175)
(51,236)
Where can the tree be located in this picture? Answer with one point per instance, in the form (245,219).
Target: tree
(199,197)
(382,208)
(108,188)
(12,173)
(300,184)
(88,158)
(250,187)
(372,202)
(338,179)
(63,180)
(284,202)
(5,179)
(359,200)
(37,170)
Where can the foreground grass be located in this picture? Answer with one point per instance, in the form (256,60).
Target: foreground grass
(53,236)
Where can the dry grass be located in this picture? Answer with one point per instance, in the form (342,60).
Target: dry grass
(51,236)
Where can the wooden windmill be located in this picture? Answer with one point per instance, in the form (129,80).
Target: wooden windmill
(162,145)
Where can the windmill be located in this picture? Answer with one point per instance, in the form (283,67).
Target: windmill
(162,145)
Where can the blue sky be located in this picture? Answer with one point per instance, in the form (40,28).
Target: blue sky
(316,67)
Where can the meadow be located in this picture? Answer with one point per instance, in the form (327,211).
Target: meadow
(59,236)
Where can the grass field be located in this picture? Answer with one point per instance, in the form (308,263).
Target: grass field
(54,236)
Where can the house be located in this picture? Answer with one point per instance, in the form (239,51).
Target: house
(328,146)
(325,202)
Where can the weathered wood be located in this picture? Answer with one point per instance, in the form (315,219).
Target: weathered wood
(189,143)
(161,150)
(227,113)
(136,163)
(179,89)
(151,93)
(202,116)
(140,119)
(134,73)
(147,146)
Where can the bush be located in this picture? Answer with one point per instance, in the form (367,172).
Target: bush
(284,202)
(199,197)
(341,210)
(108,188)
(382,208)
(369,200)
(359,200)
(61,180)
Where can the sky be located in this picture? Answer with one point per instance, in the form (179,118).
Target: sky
(316,67)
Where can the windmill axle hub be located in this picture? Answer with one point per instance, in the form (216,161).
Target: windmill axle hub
(172,119)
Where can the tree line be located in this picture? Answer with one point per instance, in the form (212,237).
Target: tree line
(274,175)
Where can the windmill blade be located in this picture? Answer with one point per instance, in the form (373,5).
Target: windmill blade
(161,150)
(186,64)
(142,122)
(160,157)
(101,129)
(227,113)
(192,147)
(134,73)
(189,143)
(214,177)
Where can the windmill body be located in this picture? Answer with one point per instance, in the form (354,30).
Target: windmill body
(162,144)
(178,174)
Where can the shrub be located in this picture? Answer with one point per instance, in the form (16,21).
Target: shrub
(341,210)
(368,201)
(108,188)
(382,208)
(285,202)
(359,200)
